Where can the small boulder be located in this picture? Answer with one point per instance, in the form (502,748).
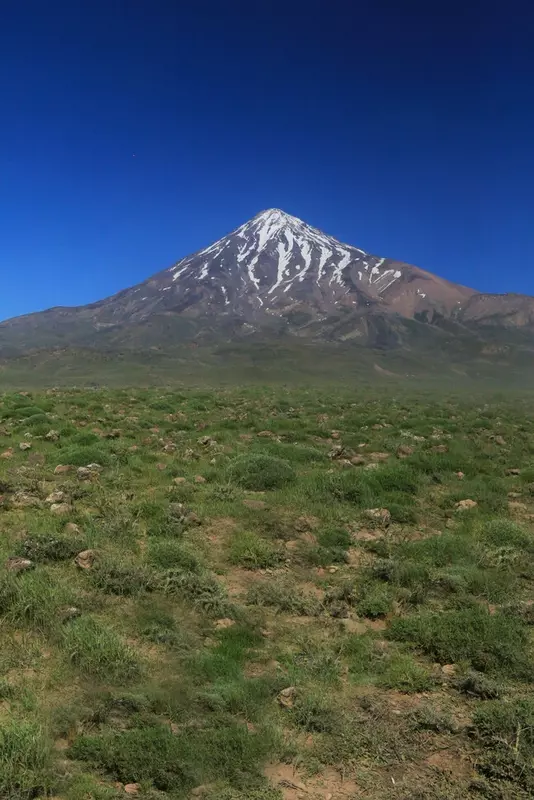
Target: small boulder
(381,515)
(52,436)
(499,440)
(440,448)
(95,467)
(357,460)
(62,469)
(9,453)
(224,623)
(132,788)
(378,457)
(84,474)
(71,527)
(85,559)
(25,500)
(170,447)
(61,508)
(25,446)
(404,450)
(286,698)
(179,481)
(206,441)
(200,479)
(513,471)
(55,497)
(372,465)
(465,505)
(16,564)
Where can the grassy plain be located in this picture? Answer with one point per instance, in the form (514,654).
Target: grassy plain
(281,594)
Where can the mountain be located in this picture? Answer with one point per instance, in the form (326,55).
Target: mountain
(276,275)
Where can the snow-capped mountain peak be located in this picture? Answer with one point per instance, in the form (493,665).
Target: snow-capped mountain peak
(276,258)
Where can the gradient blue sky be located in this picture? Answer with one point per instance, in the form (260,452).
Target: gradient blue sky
(134,132)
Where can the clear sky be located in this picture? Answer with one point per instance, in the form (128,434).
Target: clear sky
(133,132)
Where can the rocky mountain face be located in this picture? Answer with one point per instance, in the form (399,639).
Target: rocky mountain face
(275,273)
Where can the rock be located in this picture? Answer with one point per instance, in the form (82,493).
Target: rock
(465,505)
(514,495)
(377,427)
(377,457)
(85,474)
(71,527)
(55,497)
(224,623)
(266,434)
(513,471)
(52,436)
(95,467)
(200,479)
(169,448)
(357,460)
(192,519)
(25,500)
(449,670)
(206,441)
(381,515)
(286,698)
(373,465)
(25,446)
(460,475)
(499,440)
(440,448)
(518,508)
(256,505)
(161,466)
(179,481)
(62,469)
(132,788)
(114,434)
(61,508)
(69,612)
(404,450)
(85,559)
(16,564)
(9,453)
(338,451)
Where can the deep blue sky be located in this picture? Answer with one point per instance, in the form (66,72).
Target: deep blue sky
(133,132)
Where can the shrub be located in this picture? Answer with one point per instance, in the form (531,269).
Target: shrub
(260,472)
(376,601)
(49,547)
(490,643)
(506,730)
(250,550)
(121,579)
(202,589)
(81,456)
(285,596)
(25,760)
(99,652)
(172,553)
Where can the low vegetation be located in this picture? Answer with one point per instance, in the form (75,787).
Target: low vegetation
(266,595)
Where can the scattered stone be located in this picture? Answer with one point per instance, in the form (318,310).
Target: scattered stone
(377,457)
(404,450)
(381,515)
(16,564)
(465,505)
(516,507)
(180,480)
(200,479)
(449,670)
(256,505)
(440,448)
(357,460)
(338,451)
(169,448)
(224,623)
(286,698)
(25,500)
(499,440)
(52,436)
(206,441)
(132,788)
(372,465)
(62,469)
(9,453)
(69,612)
(61,508)
(95,467)
(85,559)
(71,527)
(25,446)
(513,471)
(55,497)
(85,474)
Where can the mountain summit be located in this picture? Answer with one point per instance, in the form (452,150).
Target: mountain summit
(278,273)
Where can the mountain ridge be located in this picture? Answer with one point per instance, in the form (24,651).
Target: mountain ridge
(276,274)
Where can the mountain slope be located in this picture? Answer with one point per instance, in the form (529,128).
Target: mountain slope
(278,275)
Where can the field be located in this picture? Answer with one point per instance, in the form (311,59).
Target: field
(266,594)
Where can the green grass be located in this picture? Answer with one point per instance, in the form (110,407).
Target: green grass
(267,615)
